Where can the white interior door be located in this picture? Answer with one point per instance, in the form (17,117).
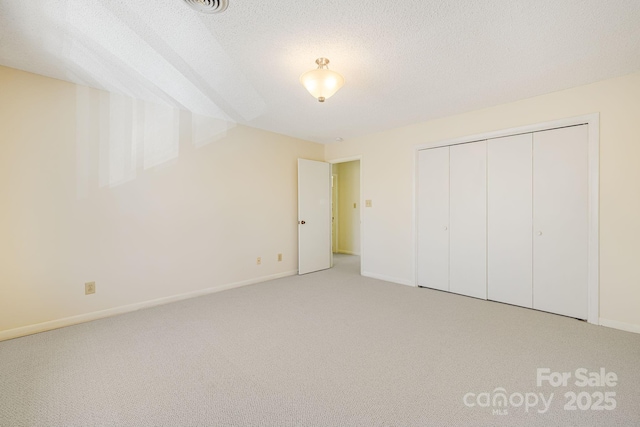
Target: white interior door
(314,216)
(468,219)
(510,220)
(433,218)
(560,221)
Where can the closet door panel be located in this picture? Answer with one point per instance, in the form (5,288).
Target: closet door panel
(433,218)
(510,222)
(468,219)
(560,221)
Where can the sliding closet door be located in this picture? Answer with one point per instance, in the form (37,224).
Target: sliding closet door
(560,221)
(468,219)
(433,218)
(510,222)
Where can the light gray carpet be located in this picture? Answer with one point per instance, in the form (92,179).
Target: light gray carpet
(326,349)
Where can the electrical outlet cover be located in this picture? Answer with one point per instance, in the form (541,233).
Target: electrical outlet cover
(90,288)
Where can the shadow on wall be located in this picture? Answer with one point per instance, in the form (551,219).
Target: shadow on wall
(120,136)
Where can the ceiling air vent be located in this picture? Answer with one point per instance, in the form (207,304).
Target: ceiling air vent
(208,6)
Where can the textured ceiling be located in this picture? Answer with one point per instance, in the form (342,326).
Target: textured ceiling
(403,61)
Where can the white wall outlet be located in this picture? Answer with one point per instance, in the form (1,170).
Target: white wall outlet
(90,288)
(368,203)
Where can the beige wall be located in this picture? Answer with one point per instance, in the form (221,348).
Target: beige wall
(147,201)
(348,207)
(388,172)
(196,201)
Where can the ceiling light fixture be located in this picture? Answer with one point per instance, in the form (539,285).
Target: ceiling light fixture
(208,6)
(322,83)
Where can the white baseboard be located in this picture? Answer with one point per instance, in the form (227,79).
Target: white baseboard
(628,327)
(87,317)
(387,278)
(340,251)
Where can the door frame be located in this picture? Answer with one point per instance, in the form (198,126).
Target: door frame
(334,210)
(361,201)
(593,122)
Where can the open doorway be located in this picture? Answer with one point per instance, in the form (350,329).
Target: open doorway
(329,222)
(346,213)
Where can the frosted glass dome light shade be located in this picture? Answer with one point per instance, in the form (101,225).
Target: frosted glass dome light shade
(322,83)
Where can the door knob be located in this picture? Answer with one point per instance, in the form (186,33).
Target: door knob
(445,227)
(301,222)
(539,233)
